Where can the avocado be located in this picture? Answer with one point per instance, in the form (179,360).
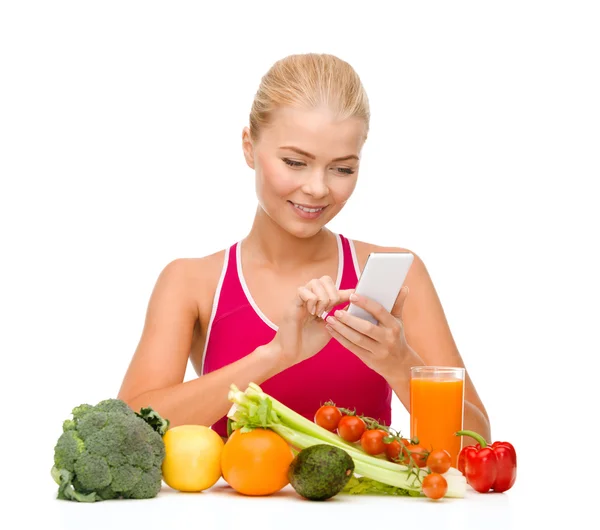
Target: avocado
(320,471)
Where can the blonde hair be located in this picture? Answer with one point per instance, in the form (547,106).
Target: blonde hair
(309,81)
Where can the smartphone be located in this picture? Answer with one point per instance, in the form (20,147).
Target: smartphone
(381,280)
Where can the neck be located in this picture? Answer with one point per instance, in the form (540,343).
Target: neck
(268,242)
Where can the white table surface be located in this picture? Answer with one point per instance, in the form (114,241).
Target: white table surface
(221,507)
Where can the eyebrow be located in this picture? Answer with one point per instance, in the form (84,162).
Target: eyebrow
(301,152)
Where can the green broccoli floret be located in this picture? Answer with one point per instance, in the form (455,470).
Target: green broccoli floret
(114,405)
(69,425)
(67,450)
(148,486)
(80,411)
(91,423)
(108,451)
(125,477)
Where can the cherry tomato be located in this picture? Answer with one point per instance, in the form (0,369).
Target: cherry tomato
(392,450)
(328,417)
(439,461)
(372,441)
(351,428)
(418,453)
(435,486)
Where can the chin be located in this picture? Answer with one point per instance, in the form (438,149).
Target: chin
(302,229)
(306,232)
(298,230)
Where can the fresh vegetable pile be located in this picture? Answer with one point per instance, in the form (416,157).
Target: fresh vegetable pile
(405,472)
(108,451)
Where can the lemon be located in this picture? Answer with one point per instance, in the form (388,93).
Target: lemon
(193,458)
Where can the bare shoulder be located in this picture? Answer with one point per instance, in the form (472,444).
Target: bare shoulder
(197,269)
(417,276)
(363,249)
(196,276)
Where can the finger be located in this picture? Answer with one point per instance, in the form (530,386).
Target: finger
(344,295)
(353,336)
(308,298)
(361,353)
(399,305)
(332,292)
(322,297)
(385,318)
(343,298)
(325,314)
(377,333)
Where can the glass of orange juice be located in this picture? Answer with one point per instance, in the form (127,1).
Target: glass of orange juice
(437,407)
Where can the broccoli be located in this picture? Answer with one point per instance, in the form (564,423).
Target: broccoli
(109,451)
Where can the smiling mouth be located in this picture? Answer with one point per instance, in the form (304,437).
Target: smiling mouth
(308,209)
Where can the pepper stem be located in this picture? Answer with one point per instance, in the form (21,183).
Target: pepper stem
(480,440)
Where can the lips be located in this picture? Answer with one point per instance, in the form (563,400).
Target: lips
(308,212)
(308,208)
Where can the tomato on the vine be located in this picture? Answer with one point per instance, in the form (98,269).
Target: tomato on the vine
(351,428)
(439,461)
(328,417)
(417,452)
(392,449)
(372,441)
(435,486)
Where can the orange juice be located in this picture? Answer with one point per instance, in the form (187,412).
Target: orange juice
(436,412)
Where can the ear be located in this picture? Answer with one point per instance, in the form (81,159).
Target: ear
(247,147)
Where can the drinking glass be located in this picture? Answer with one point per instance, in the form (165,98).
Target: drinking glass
(437,407)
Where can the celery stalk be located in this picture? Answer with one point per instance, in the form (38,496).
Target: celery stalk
(254,408)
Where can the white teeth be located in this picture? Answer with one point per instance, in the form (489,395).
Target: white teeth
(309,210)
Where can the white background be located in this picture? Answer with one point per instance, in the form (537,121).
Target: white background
(120,150)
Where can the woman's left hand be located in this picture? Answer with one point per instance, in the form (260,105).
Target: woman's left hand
(381,347)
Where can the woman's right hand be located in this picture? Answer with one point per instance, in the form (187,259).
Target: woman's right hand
(302,332)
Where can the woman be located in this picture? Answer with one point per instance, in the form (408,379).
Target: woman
(252,312)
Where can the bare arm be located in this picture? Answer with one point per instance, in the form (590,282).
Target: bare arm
(428,341)
(156,372)
(431,343)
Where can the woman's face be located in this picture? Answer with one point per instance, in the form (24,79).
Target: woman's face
(306,166)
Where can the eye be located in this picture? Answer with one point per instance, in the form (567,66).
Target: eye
(292,163)
(296,163)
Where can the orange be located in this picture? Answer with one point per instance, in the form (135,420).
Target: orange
(256,462)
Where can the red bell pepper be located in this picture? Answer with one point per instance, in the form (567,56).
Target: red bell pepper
(488,467)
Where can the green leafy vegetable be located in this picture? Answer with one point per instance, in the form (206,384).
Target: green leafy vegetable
(367,486)
(154,419)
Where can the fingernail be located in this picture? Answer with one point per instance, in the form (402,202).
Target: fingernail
(331,320)
(338,313)
(354,297)
(328,327)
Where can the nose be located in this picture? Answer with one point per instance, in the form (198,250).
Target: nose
(316,185)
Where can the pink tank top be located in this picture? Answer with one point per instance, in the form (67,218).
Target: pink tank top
(237,327)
